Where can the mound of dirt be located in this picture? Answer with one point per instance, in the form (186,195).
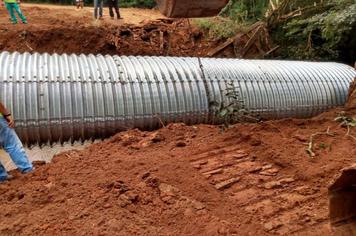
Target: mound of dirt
(62,30)
(185,180)
(54,29)
(351,99)
(151,38)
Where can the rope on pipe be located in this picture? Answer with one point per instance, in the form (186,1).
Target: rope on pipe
(60,98)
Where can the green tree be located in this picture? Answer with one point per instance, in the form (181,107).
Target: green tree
(245,10)
(325,32)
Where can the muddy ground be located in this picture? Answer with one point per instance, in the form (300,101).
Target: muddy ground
(251,179)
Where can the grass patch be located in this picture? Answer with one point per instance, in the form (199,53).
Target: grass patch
(219,27)
(138,3)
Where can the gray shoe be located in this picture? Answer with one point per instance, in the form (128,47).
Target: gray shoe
(27,170)
(8,178)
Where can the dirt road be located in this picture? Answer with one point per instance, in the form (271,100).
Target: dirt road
(44,15)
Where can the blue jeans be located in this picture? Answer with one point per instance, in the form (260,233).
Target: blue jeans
(98,8)
(11,7)
(13,146)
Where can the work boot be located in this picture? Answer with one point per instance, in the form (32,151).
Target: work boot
(27,170)
(7,178)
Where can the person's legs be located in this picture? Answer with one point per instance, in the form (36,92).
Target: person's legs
(110,5)
(19,12)
(13,146)
(96,2)
(116,6)
(117,12)
(101,8)
(10,9)
(111,12)
(3,173)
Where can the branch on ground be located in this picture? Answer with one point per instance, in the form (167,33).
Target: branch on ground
(348,122)
(311,142)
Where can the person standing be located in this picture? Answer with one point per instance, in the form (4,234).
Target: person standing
(13,5)
(98,9)
(114,4)
(10,142)
(80,4)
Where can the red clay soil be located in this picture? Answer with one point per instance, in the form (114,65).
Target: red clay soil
(67,31)
(252,179)
(55,29)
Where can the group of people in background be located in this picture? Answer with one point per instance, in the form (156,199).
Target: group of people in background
(98,8)
(13,6)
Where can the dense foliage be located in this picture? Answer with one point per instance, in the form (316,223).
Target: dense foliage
(236,17)
(245,10)
(138,3)
(328,32)
(305,29)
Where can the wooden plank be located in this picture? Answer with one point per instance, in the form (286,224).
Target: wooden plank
(161,39)
(233,40)
(271,51)
(227,183)
(251,41)
(213,172)
(224,45)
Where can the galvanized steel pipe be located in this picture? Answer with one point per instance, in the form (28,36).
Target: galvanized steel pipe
(59,98)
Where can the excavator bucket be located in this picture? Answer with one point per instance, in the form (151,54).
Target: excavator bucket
(190,8)
(342,200)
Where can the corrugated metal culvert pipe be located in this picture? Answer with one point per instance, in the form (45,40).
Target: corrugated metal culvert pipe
(59,98)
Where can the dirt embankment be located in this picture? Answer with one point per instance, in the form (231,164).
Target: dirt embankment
(180,180)
(151,38)
(64,30)
(56,29)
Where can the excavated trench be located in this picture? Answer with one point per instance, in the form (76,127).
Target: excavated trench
(274,88)
(56,31)
(68,98)
(157,37)
(162,37)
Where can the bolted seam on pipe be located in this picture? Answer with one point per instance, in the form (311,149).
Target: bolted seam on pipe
(59,98)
